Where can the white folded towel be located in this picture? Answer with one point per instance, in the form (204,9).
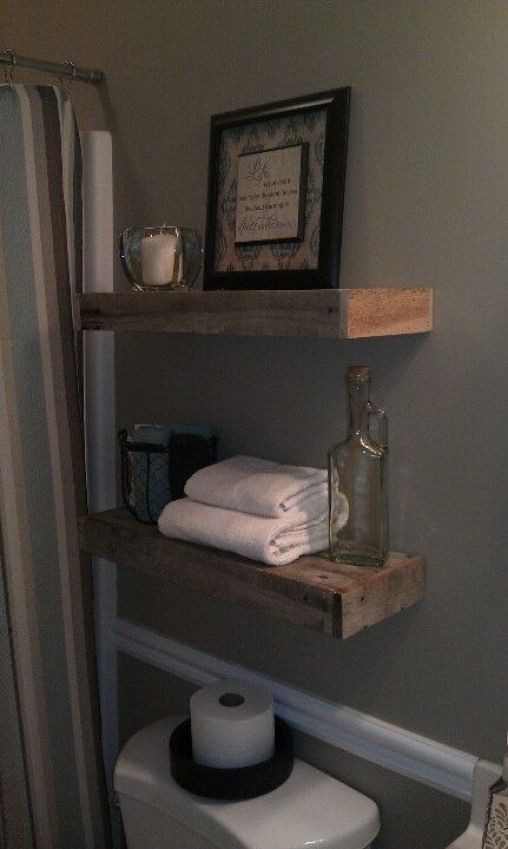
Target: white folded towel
(260,487)
(273,541)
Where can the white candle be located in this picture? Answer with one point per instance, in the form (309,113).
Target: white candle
(158,259)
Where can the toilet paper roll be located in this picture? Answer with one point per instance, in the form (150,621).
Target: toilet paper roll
(232,725)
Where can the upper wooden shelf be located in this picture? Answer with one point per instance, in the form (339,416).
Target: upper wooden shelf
(313,592)
(327,313)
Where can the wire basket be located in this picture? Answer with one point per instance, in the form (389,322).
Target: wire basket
(153,475)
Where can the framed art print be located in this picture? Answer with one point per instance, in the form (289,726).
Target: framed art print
(270,195)
(276,194)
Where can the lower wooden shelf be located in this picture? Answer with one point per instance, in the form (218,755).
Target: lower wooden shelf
(336,599)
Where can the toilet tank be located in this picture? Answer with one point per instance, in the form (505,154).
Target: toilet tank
(309,808)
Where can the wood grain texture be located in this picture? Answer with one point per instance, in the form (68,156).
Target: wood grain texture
(326,313)
(386,312)
(336,599)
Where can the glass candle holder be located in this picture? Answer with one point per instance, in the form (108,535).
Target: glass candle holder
(159,258)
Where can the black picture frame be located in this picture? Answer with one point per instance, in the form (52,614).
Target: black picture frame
(322,120)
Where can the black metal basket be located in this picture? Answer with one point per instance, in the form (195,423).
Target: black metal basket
(153,475)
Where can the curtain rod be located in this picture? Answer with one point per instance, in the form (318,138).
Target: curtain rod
(69,69)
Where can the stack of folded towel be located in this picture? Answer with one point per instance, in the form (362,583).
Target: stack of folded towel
(262,510)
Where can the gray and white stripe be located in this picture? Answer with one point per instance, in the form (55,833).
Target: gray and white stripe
(42,476)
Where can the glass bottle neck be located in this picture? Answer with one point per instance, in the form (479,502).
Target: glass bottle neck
(358,407)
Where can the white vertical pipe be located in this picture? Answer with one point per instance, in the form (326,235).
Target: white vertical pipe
(100,419)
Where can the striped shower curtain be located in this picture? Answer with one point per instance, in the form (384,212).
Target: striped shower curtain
(51,788)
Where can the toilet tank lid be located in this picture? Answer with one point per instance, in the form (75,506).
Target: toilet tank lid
(310,808)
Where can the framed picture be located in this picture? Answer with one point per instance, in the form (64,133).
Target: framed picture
(276,194)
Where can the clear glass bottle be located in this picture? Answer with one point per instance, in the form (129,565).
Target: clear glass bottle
(358,480)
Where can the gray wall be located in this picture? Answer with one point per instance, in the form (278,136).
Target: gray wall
(426,204)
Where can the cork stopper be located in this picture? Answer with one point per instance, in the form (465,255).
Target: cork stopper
(361,373)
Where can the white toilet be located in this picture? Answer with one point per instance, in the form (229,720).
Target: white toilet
(309,809)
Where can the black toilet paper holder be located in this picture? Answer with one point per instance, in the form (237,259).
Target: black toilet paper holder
(230,784)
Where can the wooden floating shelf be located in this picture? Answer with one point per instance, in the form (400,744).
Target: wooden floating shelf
(336,599)
(326,313)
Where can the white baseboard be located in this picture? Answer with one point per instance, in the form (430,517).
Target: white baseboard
(389,746)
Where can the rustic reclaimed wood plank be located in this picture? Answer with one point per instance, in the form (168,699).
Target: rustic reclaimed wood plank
(398,585)
(326,313)
(386,312)
(336,599)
